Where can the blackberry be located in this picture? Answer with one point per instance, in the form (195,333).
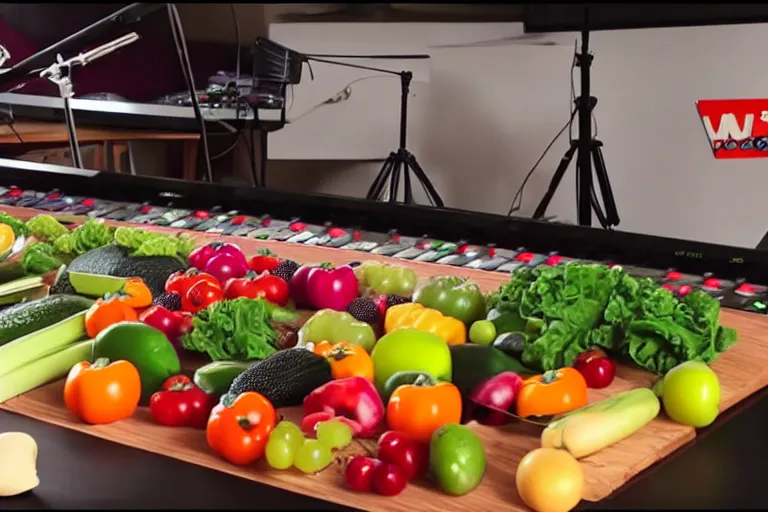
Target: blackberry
(395,300)
(285,269)
(171,301)
(365,310)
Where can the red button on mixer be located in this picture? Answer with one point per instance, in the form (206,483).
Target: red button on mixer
(711,282)
(553,260)
(336,232)
(673,275)
(745,289)
(200,214)
(668,287)
(684,290)
(525,257)
(298,226)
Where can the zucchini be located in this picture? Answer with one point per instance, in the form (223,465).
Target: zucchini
(31,347)
(32,316)
(216,377)
(47,369)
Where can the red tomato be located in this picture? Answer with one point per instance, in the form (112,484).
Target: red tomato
(388,479)
(264,286)
(181,404)
(596,368)
(181,282)
(265,261)
(398,449)
(358,473)
(201,295)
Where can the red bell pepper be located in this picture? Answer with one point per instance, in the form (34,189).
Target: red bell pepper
(596,368)
(332,288)
(262,286)
(264,261)
(181,282)
(181,404)
(353,401)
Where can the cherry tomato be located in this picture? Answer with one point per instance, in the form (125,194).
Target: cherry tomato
(388,479)
(596,368)
(200,296)
(265,261)
(358,473)
(398,449)
(181,282)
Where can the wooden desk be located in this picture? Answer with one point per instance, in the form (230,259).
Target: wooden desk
(29,132)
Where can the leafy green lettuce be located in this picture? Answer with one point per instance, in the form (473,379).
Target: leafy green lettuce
(571,308)
(238,329)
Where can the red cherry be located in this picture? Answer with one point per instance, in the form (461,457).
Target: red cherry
(398,449)
(685,290)
(359,472)
(525,257)
(674,275)
(388,479)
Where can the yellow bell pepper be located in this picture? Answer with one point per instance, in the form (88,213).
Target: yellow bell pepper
(416,316)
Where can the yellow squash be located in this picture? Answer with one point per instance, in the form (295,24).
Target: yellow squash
(416,316)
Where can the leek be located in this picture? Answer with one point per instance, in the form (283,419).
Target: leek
(42,371)
(27,349)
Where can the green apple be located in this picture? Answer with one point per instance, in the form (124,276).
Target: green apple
(456,459)
(691,394)
(410,350)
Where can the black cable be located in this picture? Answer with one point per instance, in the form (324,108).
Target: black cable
(518,198)
(13,129)
(229,149)
(186,67)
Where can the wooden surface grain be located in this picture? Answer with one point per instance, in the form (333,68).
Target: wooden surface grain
(742,370)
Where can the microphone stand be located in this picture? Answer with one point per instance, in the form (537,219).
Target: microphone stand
(60,73)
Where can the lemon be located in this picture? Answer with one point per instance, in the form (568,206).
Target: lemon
(7,238)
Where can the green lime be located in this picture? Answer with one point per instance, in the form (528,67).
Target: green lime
(482,332)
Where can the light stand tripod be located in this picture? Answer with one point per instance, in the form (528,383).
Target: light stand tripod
(587,150)
(402,160)
(60,73)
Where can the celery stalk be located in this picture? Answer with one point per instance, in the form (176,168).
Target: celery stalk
(38,344)
(42,371)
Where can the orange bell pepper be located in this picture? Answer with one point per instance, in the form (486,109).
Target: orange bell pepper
(420,408)
(346,360)
(135,293)
(554,392)
(101,392)
(238,428)
(415,316)
(104,313)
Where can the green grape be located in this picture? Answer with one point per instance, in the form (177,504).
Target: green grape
(279,453)
(290,432)
(312,456)
(334,434)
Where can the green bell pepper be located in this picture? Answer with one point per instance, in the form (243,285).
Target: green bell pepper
(452,296)
(335,326)
(386,279)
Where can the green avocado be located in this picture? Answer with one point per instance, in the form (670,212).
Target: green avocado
(143,346)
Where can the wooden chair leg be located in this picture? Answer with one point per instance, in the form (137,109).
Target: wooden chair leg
(190,160)
(117,155)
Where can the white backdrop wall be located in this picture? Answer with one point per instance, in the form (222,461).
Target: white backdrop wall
(484,112)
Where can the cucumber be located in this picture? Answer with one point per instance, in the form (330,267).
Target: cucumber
(472,364)
(28,317)
(216,377)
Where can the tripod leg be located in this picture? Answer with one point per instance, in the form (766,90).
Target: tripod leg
(421,176)
(394,181)
(557,177)
(611,213)
(407,192)
(377,187)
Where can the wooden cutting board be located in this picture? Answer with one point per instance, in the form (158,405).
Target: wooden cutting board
(742,370)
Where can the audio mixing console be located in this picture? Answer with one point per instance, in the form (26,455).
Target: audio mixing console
(734,293)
